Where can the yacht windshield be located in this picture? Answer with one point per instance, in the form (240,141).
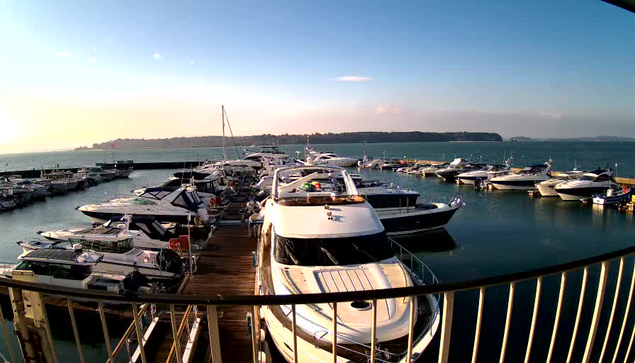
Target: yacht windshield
(587,177)
(332,251)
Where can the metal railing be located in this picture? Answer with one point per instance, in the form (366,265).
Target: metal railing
(619,328)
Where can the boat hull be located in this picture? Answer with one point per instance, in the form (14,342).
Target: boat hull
(515,184)
(102,217)
(576,194)
(416,220)
(546,190)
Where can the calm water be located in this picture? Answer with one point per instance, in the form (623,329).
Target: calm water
(495,233)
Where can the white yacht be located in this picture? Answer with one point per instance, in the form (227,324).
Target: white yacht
(589,184)
(329,159)
(321,237)
(180,206)
(67,268)
(207,189)
(525,179)
(485,174)
(268,152)
(146,232)
(119,257)
(547,188)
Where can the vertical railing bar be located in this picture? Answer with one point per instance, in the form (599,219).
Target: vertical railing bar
(411,325)
(139,332)
(71,312)
(295,337)
(373,333)
(615,298)
(508,318)
(255,334)
(597,311)
(479,319)
(5,331)
(579,313)
(446,327)
(556,323)
(214,336)
(534,316)
(335,332)
(626,312)
(175,334)
(104,328)
(630,344)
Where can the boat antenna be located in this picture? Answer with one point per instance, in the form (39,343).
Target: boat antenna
(223,117)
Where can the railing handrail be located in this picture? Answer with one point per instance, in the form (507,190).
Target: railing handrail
(315,298)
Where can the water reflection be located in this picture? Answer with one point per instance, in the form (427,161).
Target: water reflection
(422,242)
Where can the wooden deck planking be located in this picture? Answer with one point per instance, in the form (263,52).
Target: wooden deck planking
(225,268)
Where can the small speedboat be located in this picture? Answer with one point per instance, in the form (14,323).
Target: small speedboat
(484,174)
(418,218)
(456,167)
(613,196)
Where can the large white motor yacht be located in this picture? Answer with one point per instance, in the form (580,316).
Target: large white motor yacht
(180,206)
(485,174)
(329,159)
(591,183)
(322,237)
(267,152)
(525,179)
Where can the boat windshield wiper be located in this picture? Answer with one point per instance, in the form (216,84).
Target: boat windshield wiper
(329,255)
(364,252)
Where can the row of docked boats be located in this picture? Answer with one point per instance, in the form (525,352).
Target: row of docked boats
(17,191)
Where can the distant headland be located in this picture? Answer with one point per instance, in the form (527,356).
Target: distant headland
(286,139)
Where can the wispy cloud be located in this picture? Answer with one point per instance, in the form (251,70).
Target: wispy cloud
(193,62)
(63,53)
(354,79)
(387,109)
(157,56)
(93,59)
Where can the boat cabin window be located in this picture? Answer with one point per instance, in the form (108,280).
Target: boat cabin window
(602,178)
(58,271)
(121,246)
(186,200)
(332,251)
(142,201)
(588,177)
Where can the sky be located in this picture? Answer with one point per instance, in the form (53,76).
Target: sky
(75,73)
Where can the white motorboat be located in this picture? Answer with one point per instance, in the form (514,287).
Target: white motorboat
(67,268)
(180,206)
(432,169)
(267,152)
(119,257)
(146,232)
(547,188)
(207,189)
(525,179)
(96,174)
(316,236)
(485,174)
(329,159)
(456,167)
(589,184)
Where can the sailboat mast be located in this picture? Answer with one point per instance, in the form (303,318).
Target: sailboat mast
(223,116)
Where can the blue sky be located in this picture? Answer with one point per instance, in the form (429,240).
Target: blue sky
(73,73)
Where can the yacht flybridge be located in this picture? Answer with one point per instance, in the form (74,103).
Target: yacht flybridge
(182,205)
(320,236)
(525,179)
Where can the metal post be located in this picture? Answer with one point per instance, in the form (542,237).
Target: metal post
(534,316)
(479,320)
(78,343)
(104,327)
(255,333)
(615,298)
(295,337)
(5,331)
(579,313)
(597,311)
(373,333)
(563,282)
(214,336)
(175,334)
(411,325)
(508,318)
(137,324)
(627,309)
(446,327)
(334,332)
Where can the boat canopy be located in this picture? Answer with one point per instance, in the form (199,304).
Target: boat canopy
(61,256)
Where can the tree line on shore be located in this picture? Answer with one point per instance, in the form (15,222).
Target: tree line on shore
(287,139)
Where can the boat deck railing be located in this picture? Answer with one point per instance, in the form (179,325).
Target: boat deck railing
(619,327)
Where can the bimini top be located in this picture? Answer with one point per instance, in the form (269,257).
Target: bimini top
(314,185)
